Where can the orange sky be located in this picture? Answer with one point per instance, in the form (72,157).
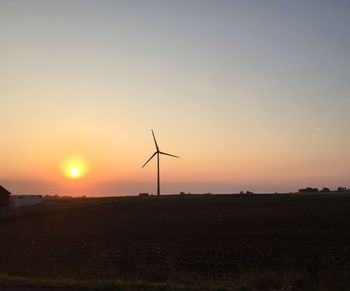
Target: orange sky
(251,96)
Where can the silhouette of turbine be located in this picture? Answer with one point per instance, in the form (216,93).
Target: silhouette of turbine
(158,153)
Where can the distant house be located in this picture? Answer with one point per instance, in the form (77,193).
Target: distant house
(4,197)
(25,200)
(143,194)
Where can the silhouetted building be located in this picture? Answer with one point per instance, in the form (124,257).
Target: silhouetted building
(4,197)
(25,200)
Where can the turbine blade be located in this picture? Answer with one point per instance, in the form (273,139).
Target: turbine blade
(149,159)
(169,155)
(155,141)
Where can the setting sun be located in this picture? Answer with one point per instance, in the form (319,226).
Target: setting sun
(75,168)
(74,172)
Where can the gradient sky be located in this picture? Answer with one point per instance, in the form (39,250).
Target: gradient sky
(253,95)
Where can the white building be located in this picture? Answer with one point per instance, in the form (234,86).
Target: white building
(25,200)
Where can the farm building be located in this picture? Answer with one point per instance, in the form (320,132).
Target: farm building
(25,200)
(4,197)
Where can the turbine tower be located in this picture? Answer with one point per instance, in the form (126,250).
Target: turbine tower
(158,153)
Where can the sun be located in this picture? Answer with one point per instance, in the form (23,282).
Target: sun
(74,168)
(74,172)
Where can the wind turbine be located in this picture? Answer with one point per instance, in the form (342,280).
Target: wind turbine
(158,153)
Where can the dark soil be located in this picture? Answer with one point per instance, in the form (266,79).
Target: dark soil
(177,237)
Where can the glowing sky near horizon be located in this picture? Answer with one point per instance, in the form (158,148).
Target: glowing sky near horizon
(253,95)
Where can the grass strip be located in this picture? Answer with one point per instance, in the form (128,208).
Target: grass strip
(118,285)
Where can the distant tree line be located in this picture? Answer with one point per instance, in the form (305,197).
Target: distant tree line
(64,197)
(324,190)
